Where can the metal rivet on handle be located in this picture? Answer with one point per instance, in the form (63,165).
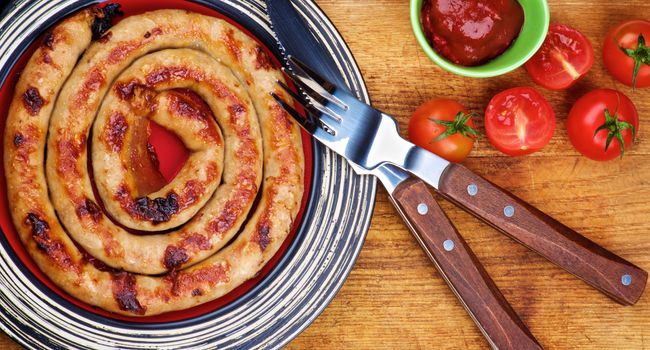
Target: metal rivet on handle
(422,209)
(472,189)
(509,211)
(448,245)
(626,280)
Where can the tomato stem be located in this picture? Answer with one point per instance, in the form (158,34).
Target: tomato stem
(614,128)
(456,126)
(640,55)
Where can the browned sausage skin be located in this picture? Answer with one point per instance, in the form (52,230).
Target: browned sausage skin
(143,67)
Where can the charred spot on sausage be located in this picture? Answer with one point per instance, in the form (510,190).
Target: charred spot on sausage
(126,91)
(236,110)
(125,293)
(175,257)
(89,208)
(263,236)
(117,127)
(48,40)
(104,19)
(46,58)
(263,61)
(19,139)
(40,228)
(33,101)
(157,210)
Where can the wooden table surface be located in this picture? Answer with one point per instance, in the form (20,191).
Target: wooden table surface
(395,299)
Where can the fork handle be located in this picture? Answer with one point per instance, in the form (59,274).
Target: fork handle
(614,276)
(460,268)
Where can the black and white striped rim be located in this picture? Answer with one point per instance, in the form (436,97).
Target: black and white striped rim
(280,306)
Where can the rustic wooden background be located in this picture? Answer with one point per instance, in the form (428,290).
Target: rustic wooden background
(395,299)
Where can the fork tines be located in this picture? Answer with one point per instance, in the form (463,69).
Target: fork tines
(314,94)
(308,98)
(314,82)
(308,122)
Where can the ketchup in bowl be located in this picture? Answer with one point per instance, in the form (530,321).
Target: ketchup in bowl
(471,32)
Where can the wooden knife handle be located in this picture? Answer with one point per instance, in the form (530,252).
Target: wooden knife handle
(619,279)
(459,267)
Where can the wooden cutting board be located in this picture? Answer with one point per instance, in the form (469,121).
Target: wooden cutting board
(395,299)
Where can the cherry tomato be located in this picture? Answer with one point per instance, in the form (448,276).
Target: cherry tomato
(626,55)
(602,121)
(565,56)
(443,127)
(519,121)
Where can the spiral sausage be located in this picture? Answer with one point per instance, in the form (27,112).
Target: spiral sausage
(181,70)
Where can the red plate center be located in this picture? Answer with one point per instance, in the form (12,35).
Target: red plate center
(169,151)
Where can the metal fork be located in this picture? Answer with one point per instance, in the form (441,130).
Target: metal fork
(369,138)
(433,230)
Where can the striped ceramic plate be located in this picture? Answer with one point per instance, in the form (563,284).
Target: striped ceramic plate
(268,315)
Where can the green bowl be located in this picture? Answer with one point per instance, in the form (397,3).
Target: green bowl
(531,37)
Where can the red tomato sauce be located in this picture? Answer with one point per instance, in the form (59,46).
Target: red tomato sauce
(471,32)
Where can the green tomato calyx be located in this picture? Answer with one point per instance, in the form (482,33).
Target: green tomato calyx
(640,55)
(614,128)
(457,126)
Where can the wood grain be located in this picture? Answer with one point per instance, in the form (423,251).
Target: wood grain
(544,235)
(395,299)
(458,265)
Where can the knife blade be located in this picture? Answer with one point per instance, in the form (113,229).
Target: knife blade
(430,226)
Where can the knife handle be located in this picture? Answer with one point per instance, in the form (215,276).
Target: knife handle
(614,276)
(460,268)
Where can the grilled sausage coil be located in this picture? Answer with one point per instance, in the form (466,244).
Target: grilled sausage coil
(215,225)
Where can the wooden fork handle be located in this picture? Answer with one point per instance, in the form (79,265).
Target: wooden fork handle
(460,268)
(621,280)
